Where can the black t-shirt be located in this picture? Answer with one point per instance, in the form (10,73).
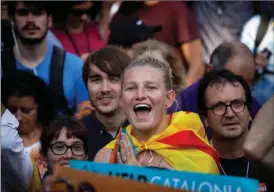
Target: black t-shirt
(98,137)
(239,167)
(6,35)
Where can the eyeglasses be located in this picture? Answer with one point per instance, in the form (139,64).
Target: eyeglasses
(221,108)
(61,149)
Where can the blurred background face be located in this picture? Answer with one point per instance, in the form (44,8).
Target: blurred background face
(31,23)
(78,15)
(4,10)
(25,110)
(104,90)
(144,97)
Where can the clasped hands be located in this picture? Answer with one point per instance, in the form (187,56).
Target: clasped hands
(126,154)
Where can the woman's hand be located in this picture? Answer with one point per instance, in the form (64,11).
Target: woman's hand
(126,154)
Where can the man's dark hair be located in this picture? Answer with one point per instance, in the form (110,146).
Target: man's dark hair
(220,77)
(110,59)
(37,4)
(226,51)
(25,84)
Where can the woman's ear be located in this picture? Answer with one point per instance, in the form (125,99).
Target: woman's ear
(170,98)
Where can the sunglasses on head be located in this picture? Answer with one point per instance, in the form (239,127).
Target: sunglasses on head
(80,12)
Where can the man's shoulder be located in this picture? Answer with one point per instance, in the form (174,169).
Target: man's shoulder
(73,60)
(191,90)
(91,120)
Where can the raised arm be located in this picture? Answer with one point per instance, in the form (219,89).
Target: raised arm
(15,162)
(260,140)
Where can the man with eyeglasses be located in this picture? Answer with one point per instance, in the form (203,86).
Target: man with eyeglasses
(224,101)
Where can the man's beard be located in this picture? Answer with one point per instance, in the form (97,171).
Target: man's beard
(31,41)
(107,114)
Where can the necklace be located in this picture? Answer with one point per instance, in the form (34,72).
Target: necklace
(247,170)
(74,43)
(223,171)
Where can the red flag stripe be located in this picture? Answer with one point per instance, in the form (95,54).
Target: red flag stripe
(188,139)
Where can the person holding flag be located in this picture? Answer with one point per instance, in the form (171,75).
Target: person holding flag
(153,138)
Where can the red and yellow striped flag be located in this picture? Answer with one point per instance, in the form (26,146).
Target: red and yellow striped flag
(183,145)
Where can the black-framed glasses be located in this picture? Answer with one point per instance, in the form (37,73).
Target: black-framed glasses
(61,149)
(221,108)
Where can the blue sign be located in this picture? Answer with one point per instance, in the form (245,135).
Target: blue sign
(169,178)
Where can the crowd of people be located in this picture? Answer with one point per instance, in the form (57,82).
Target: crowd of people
(187,86)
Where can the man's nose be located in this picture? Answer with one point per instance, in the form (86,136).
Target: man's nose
(229,112)
(105,86)
(30,17)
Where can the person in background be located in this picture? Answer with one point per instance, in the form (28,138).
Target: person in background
(233,56)
(31,21)
(63,140)
(7,38)
(220,21)
(137,38)
(165,53)
(77,33)
(259,144)
(102,75)
(125,32)
(258,34)
(179,29)
(32,103)
(224,101)
(153,138)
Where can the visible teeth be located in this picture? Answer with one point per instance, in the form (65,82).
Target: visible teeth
(106,98)
(141,105)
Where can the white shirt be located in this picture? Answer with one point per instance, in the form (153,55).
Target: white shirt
(249,35)
(16,165)
(33,146)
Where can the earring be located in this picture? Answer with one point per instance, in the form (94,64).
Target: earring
(251,119)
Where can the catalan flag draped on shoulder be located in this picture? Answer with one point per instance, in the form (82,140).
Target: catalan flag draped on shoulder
(183,145)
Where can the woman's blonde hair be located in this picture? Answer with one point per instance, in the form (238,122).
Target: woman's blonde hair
(166,54)
(163,66)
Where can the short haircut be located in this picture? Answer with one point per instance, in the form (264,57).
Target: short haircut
(111,59)
(220,77)
(75,128)
(226,51)
(25,84)
(38,4)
